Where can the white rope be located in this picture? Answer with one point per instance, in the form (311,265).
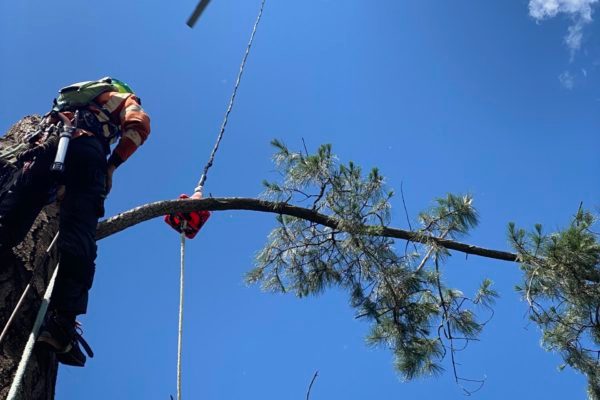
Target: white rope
(180,337)
(25,292)
(18,379)
(200,185)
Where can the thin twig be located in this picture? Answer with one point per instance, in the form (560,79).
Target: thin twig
(430,252)
(407,219)
(305,148)
(311,384)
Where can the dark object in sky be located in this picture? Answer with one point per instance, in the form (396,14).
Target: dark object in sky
(197,13)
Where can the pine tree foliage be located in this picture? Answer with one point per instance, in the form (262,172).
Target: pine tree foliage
(402,294)
(562,287)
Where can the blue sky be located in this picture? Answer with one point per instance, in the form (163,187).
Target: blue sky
(487,98)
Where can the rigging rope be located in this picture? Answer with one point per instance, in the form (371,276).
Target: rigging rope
(180,333)
(27,289)
(200,186)
(209,164)
(18,379)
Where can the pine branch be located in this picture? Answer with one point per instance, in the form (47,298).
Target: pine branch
(148,211)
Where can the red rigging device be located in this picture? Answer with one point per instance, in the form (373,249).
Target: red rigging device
(188,223)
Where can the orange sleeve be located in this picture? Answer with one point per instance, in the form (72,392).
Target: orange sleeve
(133,120)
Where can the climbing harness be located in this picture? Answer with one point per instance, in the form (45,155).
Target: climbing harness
(188,224)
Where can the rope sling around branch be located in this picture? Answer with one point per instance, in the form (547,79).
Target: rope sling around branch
(199,188)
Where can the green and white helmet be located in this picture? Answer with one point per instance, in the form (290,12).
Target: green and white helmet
(121,86)
(82,94)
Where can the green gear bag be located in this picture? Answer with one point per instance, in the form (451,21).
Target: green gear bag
(82,94)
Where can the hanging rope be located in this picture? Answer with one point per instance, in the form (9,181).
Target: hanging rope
(199,188)
(180,333)
(18,380)
(209,164)
(26,291)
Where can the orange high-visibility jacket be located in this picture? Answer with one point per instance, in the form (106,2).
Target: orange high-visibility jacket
(124,111)
(127,113)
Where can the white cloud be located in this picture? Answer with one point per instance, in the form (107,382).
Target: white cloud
(580,12)
(573,38)
(567,80)
(541,9)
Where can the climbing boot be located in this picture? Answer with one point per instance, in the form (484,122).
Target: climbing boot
(62,335)
(75,356)
(58,332)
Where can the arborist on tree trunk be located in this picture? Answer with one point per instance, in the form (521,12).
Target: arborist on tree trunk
(100,113)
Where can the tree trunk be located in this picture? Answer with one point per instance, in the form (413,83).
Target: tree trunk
(15,273)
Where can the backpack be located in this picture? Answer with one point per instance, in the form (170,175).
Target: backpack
(81,94)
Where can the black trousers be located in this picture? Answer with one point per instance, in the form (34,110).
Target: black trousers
(80,209)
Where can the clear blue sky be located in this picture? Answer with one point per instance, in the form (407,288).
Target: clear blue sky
(460,96)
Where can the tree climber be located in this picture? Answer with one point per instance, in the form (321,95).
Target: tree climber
(101,112)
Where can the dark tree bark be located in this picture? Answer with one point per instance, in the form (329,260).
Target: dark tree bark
(15,273)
